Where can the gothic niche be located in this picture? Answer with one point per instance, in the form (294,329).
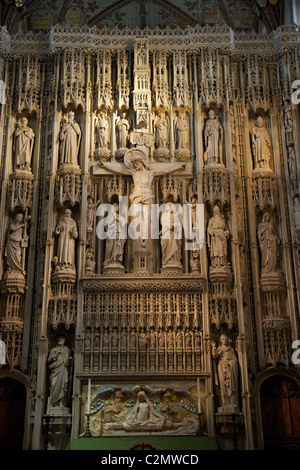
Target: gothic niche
(68,184)
(182,136)
(216,181)
(102,136)
(276,322)
(122,129)
(161,125)
(20,180)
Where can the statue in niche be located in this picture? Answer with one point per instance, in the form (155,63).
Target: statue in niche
(24,139)
(170,247)
(217,235)
(67,231)
(16,244)
(70,136)
(123,127)
(292,162)
(114,339)
(87,340)
(105,339)
(182,130)
(179,340)
(170,339)
(297,211)
(269,244)
(90,213)
(103,130)
(143,416)
(188,339)
(132,339)
(161,340)
(124,339)
(226,376)
(213,137)
(90,264)
(114,247)
(152,339)
(197,340)
(60,360)
(142,176)
(142,340)
(97,342)
(161,125)
(261,144)
(288,116)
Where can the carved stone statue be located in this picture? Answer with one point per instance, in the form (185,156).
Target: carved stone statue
(161,125)
(213,137)
(60,360)
(103,130)
(16,243)
(269,244)
(179,340)
(123,339)
(297,211)
(261,144)
(182,131)
(142,176)
(123,127)
(142,340)
(70,136)
(217,235)
(226,376)
(24,139)
(90,214)
(114,247)
(292,162)
(152,339)
(105,339)
(90,264)
(143,416)
(67,231)
(170,245)
(288,116)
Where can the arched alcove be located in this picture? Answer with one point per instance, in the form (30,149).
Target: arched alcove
(12,413)
(280,412)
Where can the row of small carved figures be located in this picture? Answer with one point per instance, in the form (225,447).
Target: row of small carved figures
(144,341)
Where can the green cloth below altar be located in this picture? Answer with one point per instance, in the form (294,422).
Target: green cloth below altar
(157,442)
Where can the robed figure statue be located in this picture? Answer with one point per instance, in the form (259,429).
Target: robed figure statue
(59,360)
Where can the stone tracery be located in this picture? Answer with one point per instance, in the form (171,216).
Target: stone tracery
(149,306)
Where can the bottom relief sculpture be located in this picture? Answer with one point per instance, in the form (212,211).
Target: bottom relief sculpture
(143,409)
